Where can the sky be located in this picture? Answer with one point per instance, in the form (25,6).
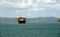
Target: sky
(30,8)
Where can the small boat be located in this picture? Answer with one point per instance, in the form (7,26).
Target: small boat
(21,20)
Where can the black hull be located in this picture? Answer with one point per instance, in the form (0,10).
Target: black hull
(21,22)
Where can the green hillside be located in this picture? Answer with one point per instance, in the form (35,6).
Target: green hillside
(39,19)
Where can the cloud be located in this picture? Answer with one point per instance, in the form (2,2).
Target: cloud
(27,7)
(30,4)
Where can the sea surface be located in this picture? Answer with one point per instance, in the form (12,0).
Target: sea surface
(30,29)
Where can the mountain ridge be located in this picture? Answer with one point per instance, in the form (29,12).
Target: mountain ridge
(38,19)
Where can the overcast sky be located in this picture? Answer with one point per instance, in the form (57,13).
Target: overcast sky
(30,8)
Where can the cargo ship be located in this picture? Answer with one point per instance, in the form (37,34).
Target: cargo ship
(21,20)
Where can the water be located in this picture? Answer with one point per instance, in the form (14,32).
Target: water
(11,29)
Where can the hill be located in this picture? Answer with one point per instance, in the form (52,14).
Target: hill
(38,19)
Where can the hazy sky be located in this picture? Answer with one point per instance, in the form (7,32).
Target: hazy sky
(30,8)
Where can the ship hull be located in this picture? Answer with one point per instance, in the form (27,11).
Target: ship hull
(21,21)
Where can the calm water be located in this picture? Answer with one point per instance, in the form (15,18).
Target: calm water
(29,29)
